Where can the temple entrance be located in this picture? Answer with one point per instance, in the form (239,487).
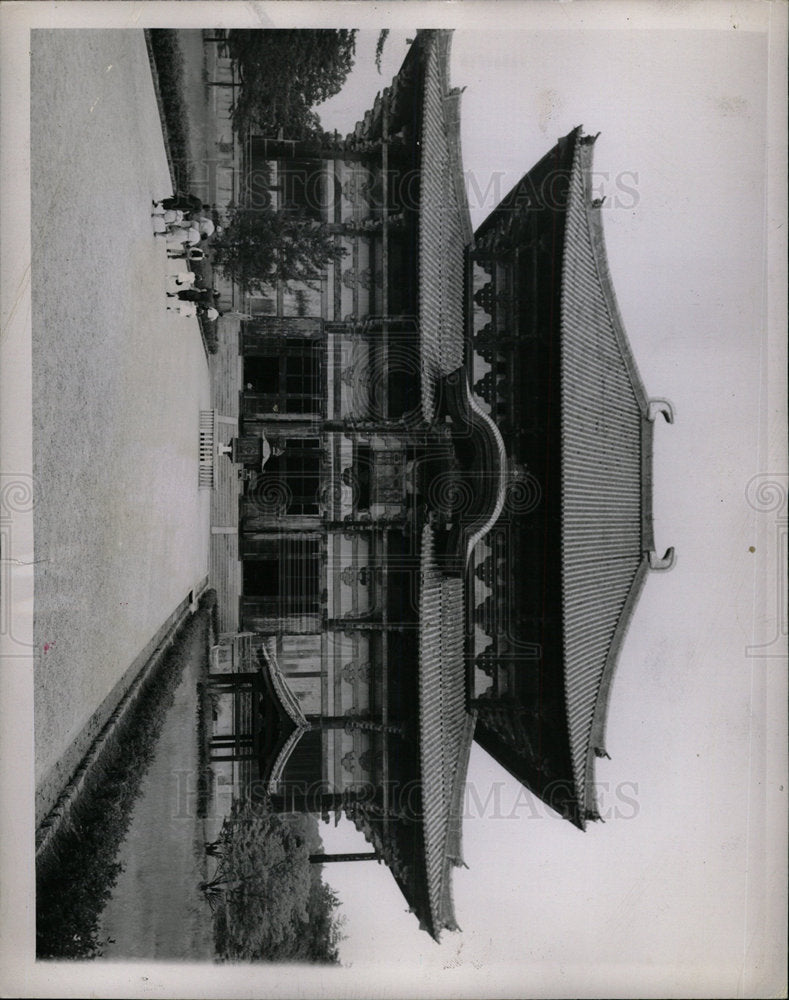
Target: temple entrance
(286,378)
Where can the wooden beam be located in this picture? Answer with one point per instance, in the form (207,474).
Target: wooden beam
(358,526)
(353,722)
(322,859)
(385,256)
(366,625)
(385,680)
(240,679)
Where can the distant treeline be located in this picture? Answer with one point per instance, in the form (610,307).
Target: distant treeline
(284,74)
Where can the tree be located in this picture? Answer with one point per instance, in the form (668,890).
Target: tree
(269,902)
(284,73)
(259,246)
(383,34)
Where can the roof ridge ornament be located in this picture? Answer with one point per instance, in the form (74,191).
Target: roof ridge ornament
(663,406)
(664,562)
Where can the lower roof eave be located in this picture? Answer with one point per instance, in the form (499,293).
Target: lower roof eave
(586,793)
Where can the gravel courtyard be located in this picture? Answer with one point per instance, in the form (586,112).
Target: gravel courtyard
(121,528)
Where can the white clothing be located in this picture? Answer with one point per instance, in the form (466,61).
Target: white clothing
(179,280)
(184,308)
(171,216)
(184,236)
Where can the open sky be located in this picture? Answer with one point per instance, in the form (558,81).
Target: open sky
(680,891)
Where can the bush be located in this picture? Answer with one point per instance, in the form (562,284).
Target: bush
(76,875)
(168,58)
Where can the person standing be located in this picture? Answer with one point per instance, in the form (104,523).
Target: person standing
(183,202)
(183,308)
(179,234)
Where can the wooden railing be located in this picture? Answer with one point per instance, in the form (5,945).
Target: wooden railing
(207,449)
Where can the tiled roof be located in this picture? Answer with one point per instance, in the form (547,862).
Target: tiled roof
(290,706)
(604,409)
(445,728)
(444,227)
(598,445)
(420,96)
(286,697)
(421,850)
(481,468)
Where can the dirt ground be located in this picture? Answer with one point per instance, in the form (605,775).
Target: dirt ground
(121,529)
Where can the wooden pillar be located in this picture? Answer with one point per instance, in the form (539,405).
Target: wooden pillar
(230,740)
(384,342)
(322,859)
(233,682)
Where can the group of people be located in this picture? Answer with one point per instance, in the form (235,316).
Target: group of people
(182,222)
(187,298)
(184,225)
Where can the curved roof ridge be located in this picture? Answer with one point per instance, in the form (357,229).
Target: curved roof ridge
(431,710)
(287,699)
(445,228)
(495,433)
(452,122)
(582,160)
(594,625)
(454,834)
(283,756)
(511,197)
(603,699)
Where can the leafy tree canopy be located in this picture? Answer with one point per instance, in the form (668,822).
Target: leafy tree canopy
(383,34)
(260,245)
(270,903)
(284,73)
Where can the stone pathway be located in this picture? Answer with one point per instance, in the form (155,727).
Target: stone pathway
(121,528)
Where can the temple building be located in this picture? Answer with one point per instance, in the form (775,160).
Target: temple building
(556,372)
(446,517)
